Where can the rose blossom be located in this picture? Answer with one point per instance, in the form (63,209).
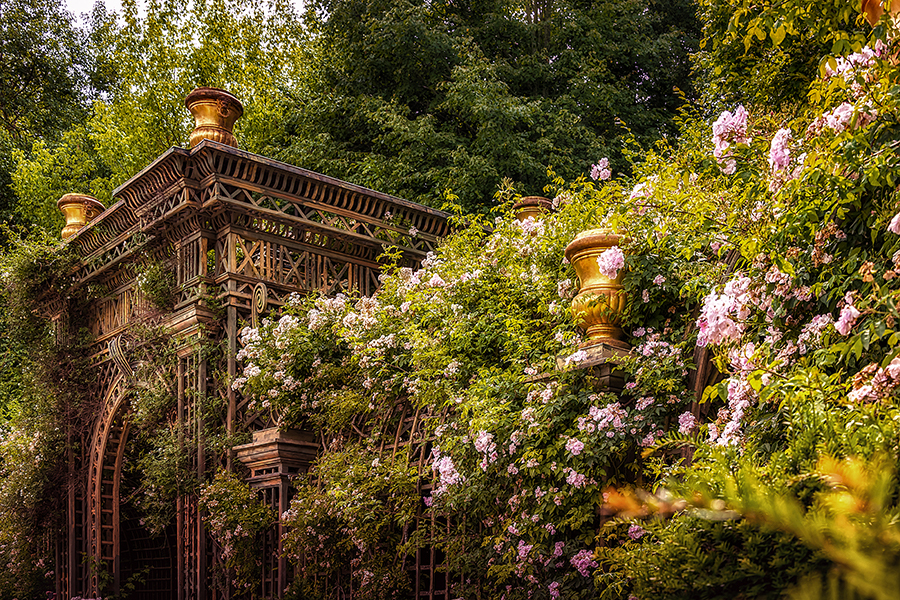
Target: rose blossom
(686,423)
(780,152)
(610,261)
(894,226)
(848,317)
(601,170)
(574,446)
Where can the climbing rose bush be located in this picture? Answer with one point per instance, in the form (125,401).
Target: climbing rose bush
(802,327)
(481,344)
(763,247)
(236,518)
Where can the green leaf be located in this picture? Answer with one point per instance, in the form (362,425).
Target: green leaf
(778,35)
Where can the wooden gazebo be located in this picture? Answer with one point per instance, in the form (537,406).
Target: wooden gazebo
(240,232)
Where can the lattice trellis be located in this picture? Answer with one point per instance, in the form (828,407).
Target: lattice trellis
(229,224)
(406,442)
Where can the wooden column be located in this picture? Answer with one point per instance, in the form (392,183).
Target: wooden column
(273,458)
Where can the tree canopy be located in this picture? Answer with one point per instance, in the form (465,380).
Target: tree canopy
(410,98)
(44,70)
(142,67)
(416,98)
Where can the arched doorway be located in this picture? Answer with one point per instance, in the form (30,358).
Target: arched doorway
(127,558)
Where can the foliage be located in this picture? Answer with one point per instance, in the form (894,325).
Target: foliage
(156,282)
(40,417)
(471,342)
(413,98)
(237,519)
(354,510)
(145,65)
(165,444)
(805,439)
(700,557)
(45,69)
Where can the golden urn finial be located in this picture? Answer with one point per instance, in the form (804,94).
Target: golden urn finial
(600,301)
(215,112)
(532,206)
(79,210)
(873,9)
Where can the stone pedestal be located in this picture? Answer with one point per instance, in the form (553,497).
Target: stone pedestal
(275,455)
(603,360)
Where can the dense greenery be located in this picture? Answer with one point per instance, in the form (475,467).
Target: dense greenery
(409,98)
(415,98)
(766,238)
(41,417)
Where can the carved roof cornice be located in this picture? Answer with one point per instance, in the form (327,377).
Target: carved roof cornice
(199,187)
(314,189)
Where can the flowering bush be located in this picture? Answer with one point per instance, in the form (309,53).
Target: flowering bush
(236,518)
(765,243)
(470,342)
(803,330)
(357,513)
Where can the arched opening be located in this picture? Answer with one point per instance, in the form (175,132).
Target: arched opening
(129,558)
(147,559)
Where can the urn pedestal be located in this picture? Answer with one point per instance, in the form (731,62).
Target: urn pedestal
(273,458)
(600,301)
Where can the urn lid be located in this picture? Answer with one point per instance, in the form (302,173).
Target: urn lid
(540,201)
(88,201)
(873,9)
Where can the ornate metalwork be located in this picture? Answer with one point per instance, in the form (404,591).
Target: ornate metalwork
(260,303)
(240,233)
(117,354)
(79,210)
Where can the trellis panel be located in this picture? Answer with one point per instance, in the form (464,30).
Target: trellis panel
(237,231)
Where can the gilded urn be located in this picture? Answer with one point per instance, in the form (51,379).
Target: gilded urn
(601,300)
(873,9)
(532,206)
(78,210)
(215,111)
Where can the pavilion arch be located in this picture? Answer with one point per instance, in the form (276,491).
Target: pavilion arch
(117,543)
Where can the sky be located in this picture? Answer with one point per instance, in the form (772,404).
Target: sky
(79,7)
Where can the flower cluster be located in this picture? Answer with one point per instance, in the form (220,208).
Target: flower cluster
(873,383)
(601,170)
(728,130)
(611,261)
(721,318)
